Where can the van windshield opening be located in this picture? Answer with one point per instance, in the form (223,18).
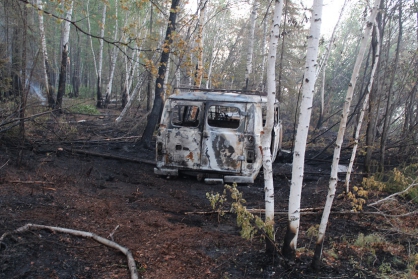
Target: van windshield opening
(224,117)
(186,116)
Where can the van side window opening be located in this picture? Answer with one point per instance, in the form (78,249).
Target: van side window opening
(224,117)
(186,116)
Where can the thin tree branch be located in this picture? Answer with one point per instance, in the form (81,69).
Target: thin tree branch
(394,195)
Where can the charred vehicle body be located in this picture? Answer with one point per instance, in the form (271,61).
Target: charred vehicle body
(214,135)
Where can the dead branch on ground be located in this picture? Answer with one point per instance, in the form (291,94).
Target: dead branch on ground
(104,241)
(394,195)
(4,164)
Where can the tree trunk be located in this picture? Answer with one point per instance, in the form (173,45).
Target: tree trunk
(45,64)
(113,58)
(135,92)
(311,66)
(16,59)
(64,56)
(279,93)
(250,50)
(373,98)
(264,54)
(266,138)
(99,71)
(24,91)
(76,65)
(340,137)
(200,39)
(159,83)
(363,109)
(91,39)
(388,115)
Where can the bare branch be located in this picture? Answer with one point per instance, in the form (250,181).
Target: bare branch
(4,164)
(104,241)
(394,195)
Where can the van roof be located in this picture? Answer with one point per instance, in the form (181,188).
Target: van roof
(219,96)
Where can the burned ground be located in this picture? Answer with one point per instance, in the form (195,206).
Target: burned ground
(168,225)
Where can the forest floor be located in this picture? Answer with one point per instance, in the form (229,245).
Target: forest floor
(169,225)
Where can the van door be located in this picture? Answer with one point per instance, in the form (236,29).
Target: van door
(184,134)
(223,137)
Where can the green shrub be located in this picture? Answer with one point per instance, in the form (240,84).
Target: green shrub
(369,241)
(84,109)
(249,223)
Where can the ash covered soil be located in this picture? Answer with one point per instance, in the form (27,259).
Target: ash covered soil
(168,225)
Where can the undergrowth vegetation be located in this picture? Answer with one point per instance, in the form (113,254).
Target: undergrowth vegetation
(395,181)
(249,223)
(84,109)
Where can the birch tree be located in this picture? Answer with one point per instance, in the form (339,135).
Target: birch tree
(99,70)
(45,61)
(200,40)
(113,57)
(311,66)
(266,139)
(340,137)
(264,55)
(362,111)
(64,55)
(250,51)
(91,39)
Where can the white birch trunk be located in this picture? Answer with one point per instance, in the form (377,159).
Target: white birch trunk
(200,40)
(113,59)
(99,70)
(178,73)
(63,66)
(264,54)
(363,109)
(67,25)
(101,42)
(134,66)
(213,55)
(250,51)
(311,66)
(43,46)
(340,136)
(128,67)
(266,138)
(91,40)
(135,92)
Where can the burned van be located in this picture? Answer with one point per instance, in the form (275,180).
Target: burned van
(214,135)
